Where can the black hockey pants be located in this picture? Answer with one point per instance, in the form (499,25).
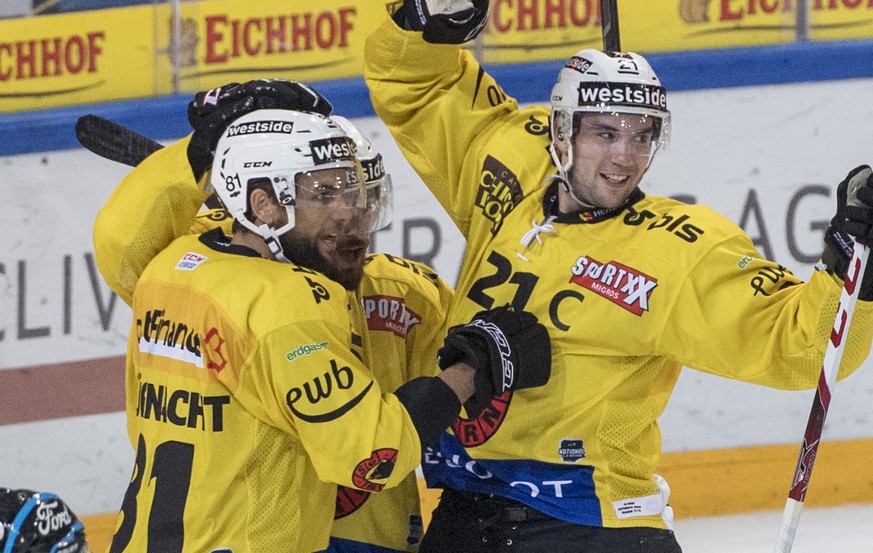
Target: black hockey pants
(477,523)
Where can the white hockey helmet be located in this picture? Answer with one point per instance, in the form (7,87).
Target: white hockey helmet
(380,189)
(608,82)
(270,147)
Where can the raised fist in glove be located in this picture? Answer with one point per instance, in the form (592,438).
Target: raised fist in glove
(443,21)
(210,112)
(853,221)
(509,350)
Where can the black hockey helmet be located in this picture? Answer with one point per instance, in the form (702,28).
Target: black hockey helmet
(38,522)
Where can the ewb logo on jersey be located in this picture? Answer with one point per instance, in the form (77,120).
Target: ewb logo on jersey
(620,284)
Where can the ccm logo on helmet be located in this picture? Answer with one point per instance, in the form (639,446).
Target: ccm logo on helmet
(281,127)
(332,149)
(622,94)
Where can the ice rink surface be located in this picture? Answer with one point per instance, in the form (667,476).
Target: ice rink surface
(844,529)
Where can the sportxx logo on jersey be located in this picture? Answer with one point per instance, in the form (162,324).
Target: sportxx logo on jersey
(620,284)
(378,466)
(320,388)
(499,192)
(389,313)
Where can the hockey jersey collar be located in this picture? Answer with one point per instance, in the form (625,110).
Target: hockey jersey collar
(215,239)
(550,208)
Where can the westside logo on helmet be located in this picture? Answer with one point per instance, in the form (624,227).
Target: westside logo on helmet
(373,169)
(281,127)
(580,64)
(622,94)
(329,150)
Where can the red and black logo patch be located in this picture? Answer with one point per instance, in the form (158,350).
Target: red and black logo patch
(477,431)
(378,466)
(348,500)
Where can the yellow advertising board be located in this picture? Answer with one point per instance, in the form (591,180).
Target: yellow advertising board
(150,50)
(76,58)
(528,30)
(306,40)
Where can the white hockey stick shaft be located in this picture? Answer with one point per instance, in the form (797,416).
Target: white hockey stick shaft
(819,411)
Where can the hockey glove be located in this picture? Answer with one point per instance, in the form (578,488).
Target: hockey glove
(853,220)
(212,111)
(443,21)
(508,349)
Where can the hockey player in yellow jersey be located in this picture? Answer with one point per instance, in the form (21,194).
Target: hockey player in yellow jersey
(632,287)
(247,395)
(404,308)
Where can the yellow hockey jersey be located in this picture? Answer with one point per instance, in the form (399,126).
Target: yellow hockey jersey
(628,297)
(401,305)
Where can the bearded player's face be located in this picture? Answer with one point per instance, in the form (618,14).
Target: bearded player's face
(330,234)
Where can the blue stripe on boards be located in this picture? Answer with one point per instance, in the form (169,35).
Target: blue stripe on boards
(163,118)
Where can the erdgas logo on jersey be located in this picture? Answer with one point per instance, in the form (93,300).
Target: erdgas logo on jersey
(280,127)
(305,349)
(620,284)
(622,94)
(330,150)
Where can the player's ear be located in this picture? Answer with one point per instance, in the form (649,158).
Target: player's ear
(264,206)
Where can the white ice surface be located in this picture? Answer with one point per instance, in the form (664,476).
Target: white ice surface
(844,529)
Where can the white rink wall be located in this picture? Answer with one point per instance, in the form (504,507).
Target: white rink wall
(768,157)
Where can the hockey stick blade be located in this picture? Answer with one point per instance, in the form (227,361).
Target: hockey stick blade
(609,24)
(819,411)
(112,141)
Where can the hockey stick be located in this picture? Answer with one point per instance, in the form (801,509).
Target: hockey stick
(609,23)
(113,141)
(830,367)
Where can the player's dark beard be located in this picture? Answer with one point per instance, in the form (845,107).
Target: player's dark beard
(304,252)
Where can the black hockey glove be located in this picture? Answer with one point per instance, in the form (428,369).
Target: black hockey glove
(212,111)
(854,219)
(509,350)
(443,21)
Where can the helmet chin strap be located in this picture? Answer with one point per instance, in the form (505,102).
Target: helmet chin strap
(563,175)
(270,237)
